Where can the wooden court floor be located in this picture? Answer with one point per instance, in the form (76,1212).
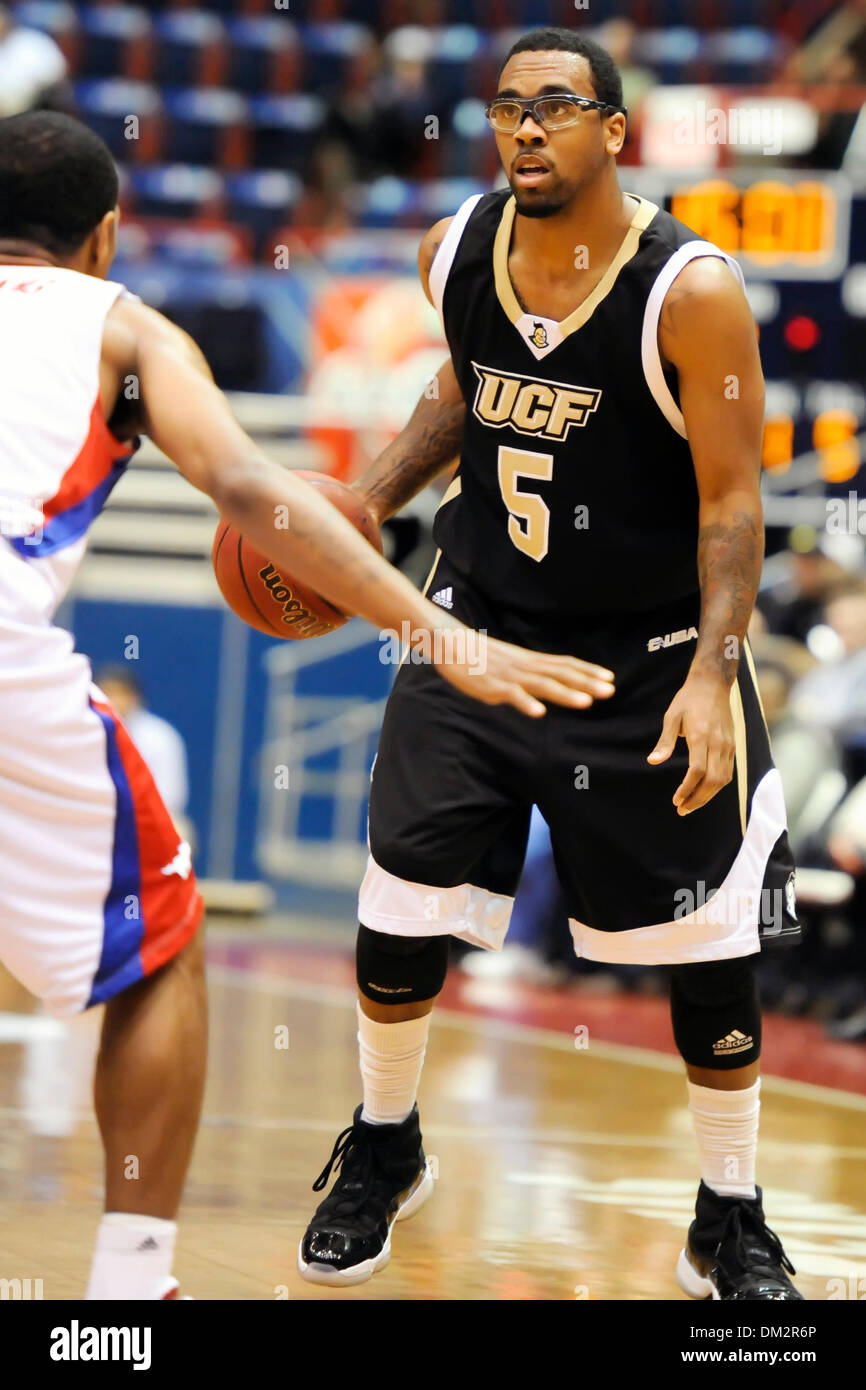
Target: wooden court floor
(563,1171)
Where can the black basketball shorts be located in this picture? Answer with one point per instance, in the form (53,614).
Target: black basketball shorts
(454,781)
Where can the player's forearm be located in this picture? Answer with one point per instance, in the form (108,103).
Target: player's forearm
(730,554)
(295,527)
(426,445)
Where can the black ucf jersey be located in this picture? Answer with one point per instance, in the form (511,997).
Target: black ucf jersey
(576,490)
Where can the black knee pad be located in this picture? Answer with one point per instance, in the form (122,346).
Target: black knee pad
(400,969)
(716,1013)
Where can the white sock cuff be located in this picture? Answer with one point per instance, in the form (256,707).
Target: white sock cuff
(155,1224)
(132,1256)
(707,1100)
(393,1038)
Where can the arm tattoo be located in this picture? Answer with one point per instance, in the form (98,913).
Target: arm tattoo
(427,444)
(729,568)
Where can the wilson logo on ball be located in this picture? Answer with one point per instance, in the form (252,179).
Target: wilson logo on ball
(294,612)
(264,589)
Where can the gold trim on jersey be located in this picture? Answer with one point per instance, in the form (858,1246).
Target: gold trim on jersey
(453,490)
(750,662)
(740,752)
(644,215)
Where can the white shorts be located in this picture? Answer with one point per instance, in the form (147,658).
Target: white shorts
(96,886)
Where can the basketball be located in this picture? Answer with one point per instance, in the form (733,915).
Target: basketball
(265,595)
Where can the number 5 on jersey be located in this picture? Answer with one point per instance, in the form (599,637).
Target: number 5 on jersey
(529,519)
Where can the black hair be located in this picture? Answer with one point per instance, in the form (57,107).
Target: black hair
(57,180)
(605,74)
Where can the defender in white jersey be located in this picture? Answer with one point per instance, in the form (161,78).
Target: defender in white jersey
(98,901)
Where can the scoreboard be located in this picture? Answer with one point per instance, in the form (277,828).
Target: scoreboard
(800,237)
(788,229)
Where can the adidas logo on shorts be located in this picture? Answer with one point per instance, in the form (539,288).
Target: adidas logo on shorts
(444,597)
(735,1041)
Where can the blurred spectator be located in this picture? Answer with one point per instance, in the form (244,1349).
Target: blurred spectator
(404,100)
(833,696)
(804,753)
(618,36)
(834,56)
(32,69)
(817,565)
(843,32)
(158,742)
(846,839)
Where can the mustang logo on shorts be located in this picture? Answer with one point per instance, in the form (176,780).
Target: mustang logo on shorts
(181,863)
(791,897)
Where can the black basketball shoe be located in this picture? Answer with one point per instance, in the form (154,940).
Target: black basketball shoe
(383,1177)
(731,1253)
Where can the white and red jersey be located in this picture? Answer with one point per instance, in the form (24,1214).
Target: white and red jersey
(96,886)
(58,458)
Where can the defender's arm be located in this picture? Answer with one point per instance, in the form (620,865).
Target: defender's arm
(189,418)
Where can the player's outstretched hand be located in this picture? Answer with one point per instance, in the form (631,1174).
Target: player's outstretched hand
(700,712)
(498,673)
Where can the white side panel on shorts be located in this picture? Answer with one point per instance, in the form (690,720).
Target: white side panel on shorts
(652,363)
(58,807)
(400,908)
(444,258)
(722,929)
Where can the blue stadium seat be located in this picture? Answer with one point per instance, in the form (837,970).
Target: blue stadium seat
(468,144)
(285,130)
(263,200)
(329,51)
(533,14)
(226,7)
(672,14)
(442,197)
(736,14)
(457,54)
(255,42)
(386,202)
(107,36)
(55,17)
(742,55)
(182,244)
(112,106)
(174,190)
(183,37)
(672,53)
(465,12)
(197,121)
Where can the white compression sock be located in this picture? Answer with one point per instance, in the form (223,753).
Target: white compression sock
(726,1128)
(392,1055)
(133,1254)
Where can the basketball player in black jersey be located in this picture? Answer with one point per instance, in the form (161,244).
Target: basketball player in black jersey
(604,394)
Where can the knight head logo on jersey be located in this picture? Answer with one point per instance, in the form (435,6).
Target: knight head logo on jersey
(531,406)
(539,335)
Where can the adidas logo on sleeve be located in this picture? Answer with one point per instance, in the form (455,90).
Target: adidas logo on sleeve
(444,597)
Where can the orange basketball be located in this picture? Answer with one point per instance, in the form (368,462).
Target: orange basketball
(265,595)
